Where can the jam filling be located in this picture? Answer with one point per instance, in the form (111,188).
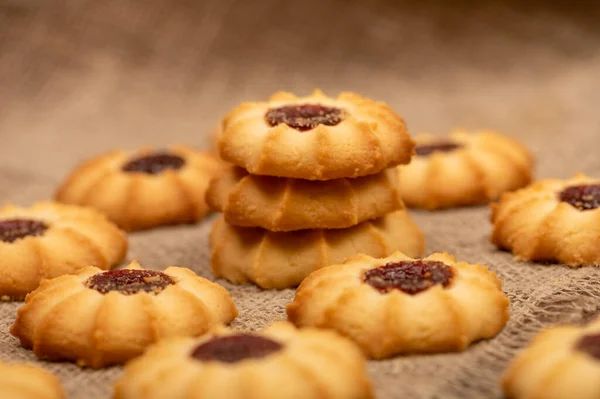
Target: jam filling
(583,197)
(589,344)
(233,348)
(440,146)
(129,281)
(410,277)
(304,117)
(13,229)
(154,164)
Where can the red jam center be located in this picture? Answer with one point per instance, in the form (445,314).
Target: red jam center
(589,344)
(233,348)
(13,229)
(129,281)
(440,146)
(154,164)
(304,117)
(410,277)
(583,197)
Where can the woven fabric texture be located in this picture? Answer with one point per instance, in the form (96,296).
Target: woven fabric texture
(78,77)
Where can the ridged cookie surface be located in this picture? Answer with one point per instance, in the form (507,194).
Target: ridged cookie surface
(314,137)
(559,363)
(98,318)
(284,204)
(400,305)
(463,169)
(551,220)
(279,362)
(49,239)
(282,260)
(145,188)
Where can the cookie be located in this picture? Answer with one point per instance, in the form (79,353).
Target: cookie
(48,240)
(463,169)
(22,381)
(283,204)
(279,362)
(314,137)
(552,220)
(145,188)
(559,363)
(98,318)
(399,305)
(283,260)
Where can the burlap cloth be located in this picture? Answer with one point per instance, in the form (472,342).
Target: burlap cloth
(80,77)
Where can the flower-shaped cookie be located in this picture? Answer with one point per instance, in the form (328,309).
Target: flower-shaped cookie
(145,188)
(101,318)
(22,381)
(560,363)
(48,240)
(400,305)
(283,260)
(283,204)
(314,137)
(551,220)
(279,362)
(463,169)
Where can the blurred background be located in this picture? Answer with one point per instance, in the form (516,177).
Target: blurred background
(78,76)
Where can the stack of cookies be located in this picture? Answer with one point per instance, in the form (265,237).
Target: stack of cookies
(312,183)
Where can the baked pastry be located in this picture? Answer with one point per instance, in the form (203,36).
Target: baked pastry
(279,362)
(551,220)
(282,204)
(98,318)
(48,240)
(314,137)
(145,188)
(399,305)
(560,363)
(21,381)
(463,169)
(283,260)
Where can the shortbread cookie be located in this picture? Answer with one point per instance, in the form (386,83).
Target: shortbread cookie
(279,362)
(145,188)
(22,381)
(98,318)
(283,204)
(560,363)
(463,169)
(315,137)
(48,240)
(283,260)
(551,220)
(399,305)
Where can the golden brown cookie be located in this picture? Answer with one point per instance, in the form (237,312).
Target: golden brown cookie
(98,318)
(551,220)
(282,204)
(22,381)
(283,260)
(48,240)
(463,169)
(314,137)
(279,362)
(399,305)
(560,363)
(145,188)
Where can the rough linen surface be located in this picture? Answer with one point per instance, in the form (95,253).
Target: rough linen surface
(78,77)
